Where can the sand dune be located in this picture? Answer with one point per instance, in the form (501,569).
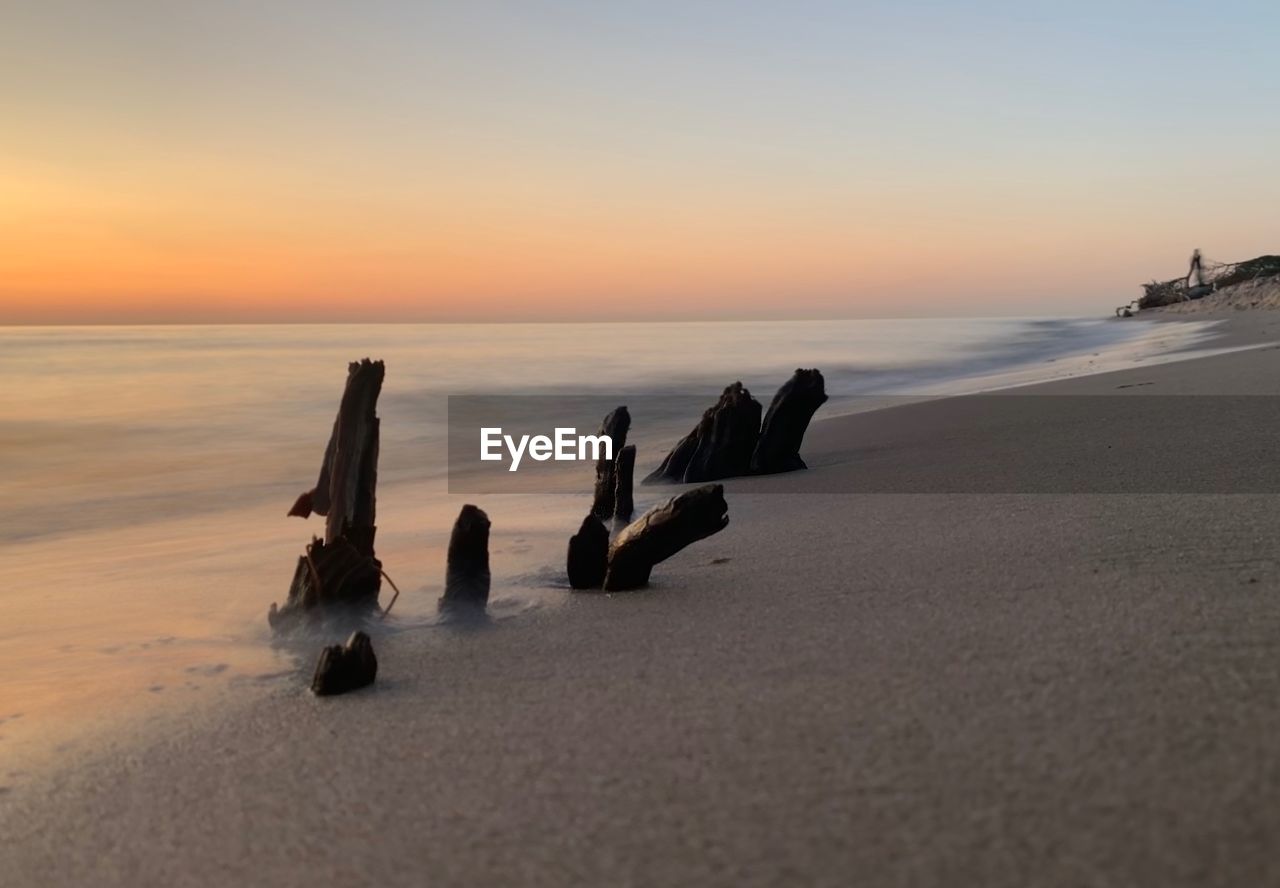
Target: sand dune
(1261,293)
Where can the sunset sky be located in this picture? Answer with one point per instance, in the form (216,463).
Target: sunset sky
(315,161)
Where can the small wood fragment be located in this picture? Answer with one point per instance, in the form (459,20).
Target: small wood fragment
(343,668)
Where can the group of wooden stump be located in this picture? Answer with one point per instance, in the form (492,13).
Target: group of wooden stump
(341,574)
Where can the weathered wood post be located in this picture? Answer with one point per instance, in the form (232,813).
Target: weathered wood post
(662,532)
(624,504)
(588,554)
(466,582)
(719,446)
(342,569)
(778,449)
(615,427)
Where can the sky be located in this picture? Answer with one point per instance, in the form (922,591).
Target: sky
(174,162)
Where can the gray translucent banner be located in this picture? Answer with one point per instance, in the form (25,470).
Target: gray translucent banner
(992,443)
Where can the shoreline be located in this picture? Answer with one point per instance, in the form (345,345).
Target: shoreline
(1043,663)
(258,659)
(142,586)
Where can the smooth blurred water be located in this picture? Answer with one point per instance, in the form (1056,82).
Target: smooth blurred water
(145,471)
(105,426)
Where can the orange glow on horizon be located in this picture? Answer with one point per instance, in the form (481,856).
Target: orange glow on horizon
(246,247)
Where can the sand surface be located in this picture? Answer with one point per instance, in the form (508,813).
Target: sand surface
(889,689)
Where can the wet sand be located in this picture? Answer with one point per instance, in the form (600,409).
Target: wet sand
(889,689)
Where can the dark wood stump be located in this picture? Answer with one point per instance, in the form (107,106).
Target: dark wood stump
(343,668)
(778,449)
(328,577)
(662,532)
(588,554)
(466,582)
(720,446)
(342,570)
(624,504)
(615,427)
(345,491)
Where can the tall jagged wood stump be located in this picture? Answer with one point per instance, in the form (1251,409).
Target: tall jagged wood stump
(778,449)
(341,570)
(721,444)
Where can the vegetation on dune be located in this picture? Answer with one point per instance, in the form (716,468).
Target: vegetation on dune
(1214,276)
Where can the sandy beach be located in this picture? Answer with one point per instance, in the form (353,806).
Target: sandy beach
(908,374)
(878,689)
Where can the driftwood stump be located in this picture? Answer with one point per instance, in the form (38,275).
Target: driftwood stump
(328,576)
(778,449)
(662,532)
(466,582)
(341,569)
(624,504)
(343,668)
(345,492)
(615,427)
(721,444)
(588,554)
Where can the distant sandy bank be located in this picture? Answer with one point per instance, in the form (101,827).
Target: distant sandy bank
(1263,293)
